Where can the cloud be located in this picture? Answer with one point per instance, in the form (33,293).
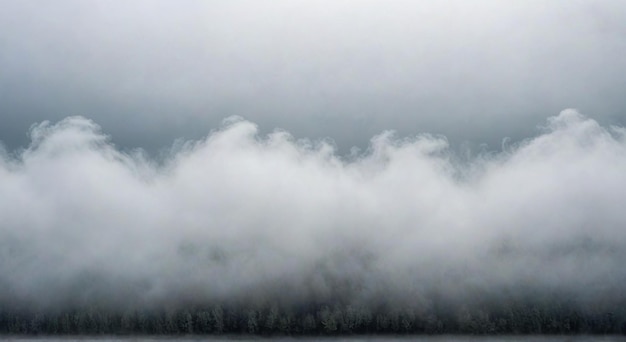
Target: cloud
(244,216)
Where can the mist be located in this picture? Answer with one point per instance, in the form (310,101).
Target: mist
(242,217)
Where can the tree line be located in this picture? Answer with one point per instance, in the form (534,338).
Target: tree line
(319,320)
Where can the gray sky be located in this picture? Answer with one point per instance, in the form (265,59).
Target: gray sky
(149,72)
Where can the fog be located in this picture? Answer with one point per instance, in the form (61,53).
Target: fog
(244,216)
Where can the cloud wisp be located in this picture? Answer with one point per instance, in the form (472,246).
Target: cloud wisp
(243,217)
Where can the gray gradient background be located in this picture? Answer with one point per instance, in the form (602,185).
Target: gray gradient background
(152,71)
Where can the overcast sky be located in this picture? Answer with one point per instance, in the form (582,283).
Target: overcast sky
(153,71)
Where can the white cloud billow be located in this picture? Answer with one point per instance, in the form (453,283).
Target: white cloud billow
(239,215)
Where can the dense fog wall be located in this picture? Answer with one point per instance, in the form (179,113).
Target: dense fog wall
(244,219)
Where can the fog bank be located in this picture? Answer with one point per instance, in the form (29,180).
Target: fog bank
(244,217)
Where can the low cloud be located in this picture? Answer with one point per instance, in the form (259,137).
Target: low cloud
(240,216)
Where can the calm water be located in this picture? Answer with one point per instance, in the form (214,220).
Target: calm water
(324,339)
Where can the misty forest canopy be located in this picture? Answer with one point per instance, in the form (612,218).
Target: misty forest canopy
(269,234)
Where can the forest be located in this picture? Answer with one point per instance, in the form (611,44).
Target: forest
(497,317)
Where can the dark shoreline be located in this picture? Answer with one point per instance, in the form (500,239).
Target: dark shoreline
(317,321)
